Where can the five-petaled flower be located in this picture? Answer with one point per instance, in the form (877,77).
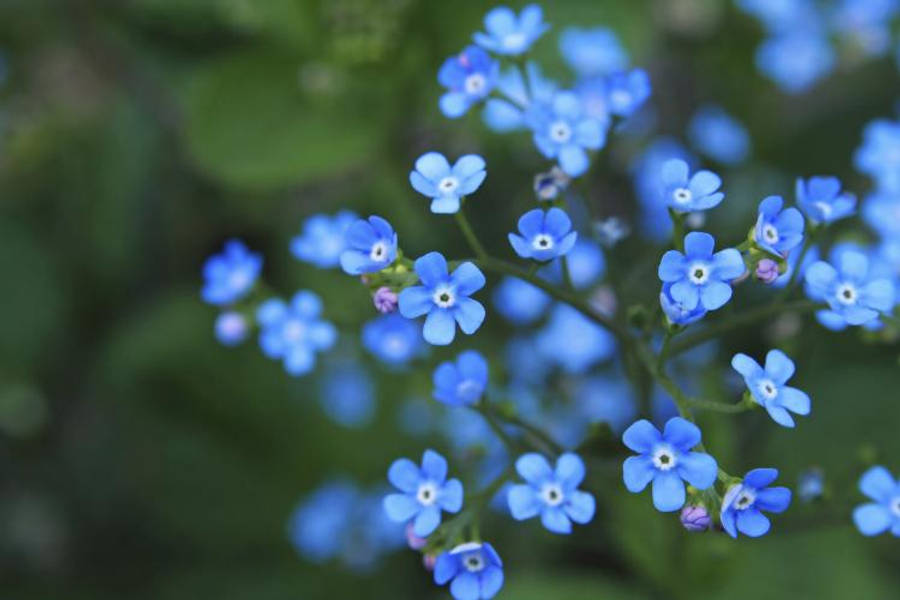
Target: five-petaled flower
(854,297)
(444,298)
(371,246)
(551,493)
(667,460)
(322,239)
(544,235)
(743,503)
(820,198)
(445,185)
(469,77)
(767,385)
(294,332)
(230,275)
(698,276)
(883,513)
(778,231)
(509,34)
(562,130)
(425,492)
(688,193)
(461,383)
(474,569)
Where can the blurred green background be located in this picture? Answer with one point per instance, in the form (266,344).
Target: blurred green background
(141,459)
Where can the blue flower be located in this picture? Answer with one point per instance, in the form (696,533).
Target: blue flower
(469,77)
(688,193)
(444,298)
(883,514)
(461,383)
(743,503)
(563,131)
(879,155)
(718,135)
(698,276)
(676,311)
(592,52)
(322,240)
(425,493)
(627,91)
(371,246)
(475,569)
(318,526)
(853,295)
(881,212)
(767,385)
(795,61)
(551,492)
(347,396)
(294,332)
(545,235)
(820,198)
(666,459)
(445,185)
(393,339)
(231,328)
(230,275)
(510,34)
(572,341)
(811,485)
(778,231)
(518,301)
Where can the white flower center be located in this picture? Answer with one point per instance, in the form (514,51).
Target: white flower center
(294,331)
(745,499)
(682,196)
(560,132)
(467,389)
(448,185)
(514,41)
(847,294)
(233,324)
(238,279)
(768,389)
(542,241)
(379,251)
(664,458)
(427,494)
(824,208)
(552,494)
(473,562)
(895,506)
(620,97)
(770,233)
(475,84)
(698,273)
(444,297)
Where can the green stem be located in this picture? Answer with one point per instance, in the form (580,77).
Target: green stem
(469,234)
(677,230)
(718,406)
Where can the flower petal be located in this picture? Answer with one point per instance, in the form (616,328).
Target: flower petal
(404,475)
(637,472)
(431,269)
(467,278)
(427,521)
(465,586)
(698,244)
(752,523)
(570,470)
(871,519)
(668,491)
(773,499)
(523,502)
(433,165)
(439,327)
(580,507)
(746,366)
(779,366)
(555,519)
(877,484)
(698,469)
(469,314)
(451,496)
(641,436)
(681,433)
(534,468)
(400,508)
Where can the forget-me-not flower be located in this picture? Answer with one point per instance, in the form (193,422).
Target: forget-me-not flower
(718,135)
(768,386)
(510,34)
(444,297)
(820,198)
(627,91)
(853,295)
(688,193)
(698,276)
(393,339)
(551,493)
(371,246)
(667,460)
(544,235)
(445,185)
(795,61)
(230,275)
(322,240)
(778,231)
(425,492)
(294,332)
(474,570)
(879,155)
(469,77)
(518,301)
(231,328)
(562,130)
(883,513)
(461,382)
(743,503)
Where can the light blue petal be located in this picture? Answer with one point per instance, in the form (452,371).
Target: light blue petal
(704,183)
(668,491)
(685,293)
(554,519)
(468,165)
(760,478)
(354,262)
(794,400)
(780,415)
(557,223)
(580,507)
(672,266)
(465,586)
(434,466)
(674,173)
(573,160)
(467,278)
(534,468)
(569,470)
(299,360)
(698,469)
(427,521)
(491,582)
(681,433)
(422,185)
(877,484)
(400,508)
(439,327)
(454,104)
(520,245)
(322,335)
(502,116)
(404,475)
(433,165)
(637,472)
(752,523)
(415,302)
(566,244)
(698,244)
(871,519)
(641,436)
(431,269)
(445,568)
(500,21)
(728,264)
(472,183)
(451,496)
(590,133)
(773,499)
(445,205)
(746,366)
(779,366)
(729,523)
(853,265)
(820,276)
(531,223)
(469,314)
(523,501)
(879,294)
(306,304)
(715,294)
